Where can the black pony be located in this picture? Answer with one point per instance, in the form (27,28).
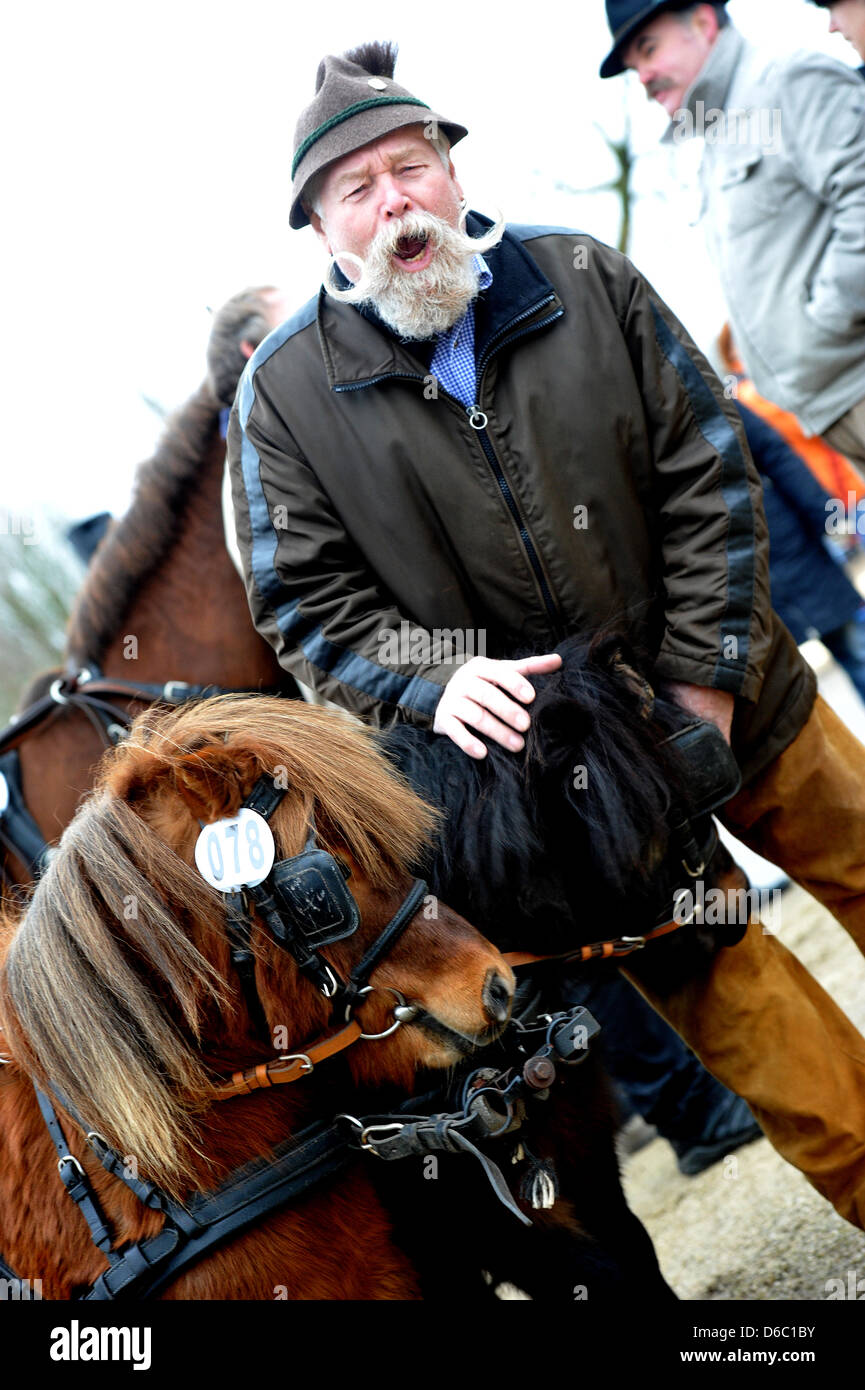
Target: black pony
(580,838)
(583,836)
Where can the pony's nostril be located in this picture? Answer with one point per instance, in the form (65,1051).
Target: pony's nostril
(496,996)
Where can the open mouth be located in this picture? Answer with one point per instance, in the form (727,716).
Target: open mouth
(410,248)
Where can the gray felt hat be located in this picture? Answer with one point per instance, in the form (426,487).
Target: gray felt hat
(356,100)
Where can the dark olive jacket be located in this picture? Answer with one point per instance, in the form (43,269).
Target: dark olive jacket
(609,483)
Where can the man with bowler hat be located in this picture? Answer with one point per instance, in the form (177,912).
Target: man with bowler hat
(783,189)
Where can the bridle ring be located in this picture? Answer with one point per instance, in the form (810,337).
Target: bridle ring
(400,1002)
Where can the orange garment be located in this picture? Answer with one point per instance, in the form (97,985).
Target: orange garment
(835,473)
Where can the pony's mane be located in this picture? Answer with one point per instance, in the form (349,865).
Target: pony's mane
(104,989)
(136,545)
(583,804)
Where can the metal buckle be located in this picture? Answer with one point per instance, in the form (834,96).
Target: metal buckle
(331,986)
(637,942)
(69,1158)
(298,1057)
(55,692)
(171,692)
(383,1129)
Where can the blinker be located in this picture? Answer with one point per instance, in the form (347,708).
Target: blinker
(311,887)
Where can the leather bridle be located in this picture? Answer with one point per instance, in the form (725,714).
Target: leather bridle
(305,904)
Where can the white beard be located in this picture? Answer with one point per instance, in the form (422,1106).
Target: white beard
(422,304)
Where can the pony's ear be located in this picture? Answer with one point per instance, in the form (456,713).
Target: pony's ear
(215,780)
(212,780)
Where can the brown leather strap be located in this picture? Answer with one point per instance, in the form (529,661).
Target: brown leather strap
(598,950)
(124,690)
(281,1070)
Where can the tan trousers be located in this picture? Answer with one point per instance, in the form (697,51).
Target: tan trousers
(758,1020)
(847,435)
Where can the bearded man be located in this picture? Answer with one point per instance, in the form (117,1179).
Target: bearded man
(477,431)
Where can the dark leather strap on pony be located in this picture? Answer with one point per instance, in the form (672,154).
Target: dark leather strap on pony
(306,904)
(92,693)
(18,830)
(491,1105)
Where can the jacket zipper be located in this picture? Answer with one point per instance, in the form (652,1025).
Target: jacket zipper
(486,443)
(492,458)
(513,506)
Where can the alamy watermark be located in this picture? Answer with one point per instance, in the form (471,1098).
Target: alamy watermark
(754,125)
(853,1289)
(719,907)
(438,646)
(845,520)
(20,1290)
(77,1343)
(18,524)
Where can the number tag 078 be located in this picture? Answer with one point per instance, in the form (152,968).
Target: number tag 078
(235,852)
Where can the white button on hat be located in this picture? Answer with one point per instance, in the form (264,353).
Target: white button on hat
(377,83)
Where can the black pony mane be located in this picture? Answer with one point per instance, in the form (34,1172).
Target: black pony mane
(547,842)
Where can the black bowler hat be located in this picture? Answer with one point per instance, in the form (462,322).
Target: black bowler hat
(625,17)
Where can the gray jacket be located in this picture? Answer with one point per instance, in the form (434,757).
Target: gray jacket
(783,183)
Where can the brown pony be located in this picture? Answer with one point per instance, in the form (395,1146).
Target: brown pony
(117,988)
(161,602)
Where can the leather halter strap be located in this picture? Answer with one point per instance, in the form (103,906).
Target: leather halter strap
(90,692)
(597,950)
(359,976)
(281,1070)
(695,856)
(19,833)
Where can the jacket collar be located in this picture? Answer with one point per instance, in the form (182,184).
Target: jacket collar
(358,348)
(712,84)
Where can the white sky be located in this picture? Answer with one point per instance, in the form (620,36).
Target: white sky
(148,148)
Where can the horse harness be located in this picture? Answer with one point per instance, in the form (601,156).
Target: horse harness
(306,904)
(491,1104)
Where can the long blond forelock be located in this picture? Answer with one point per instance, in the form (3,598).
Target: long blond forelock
(78,1013)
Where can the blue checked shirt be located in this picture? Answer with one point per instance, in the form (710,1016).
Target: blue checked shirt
(453,364)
